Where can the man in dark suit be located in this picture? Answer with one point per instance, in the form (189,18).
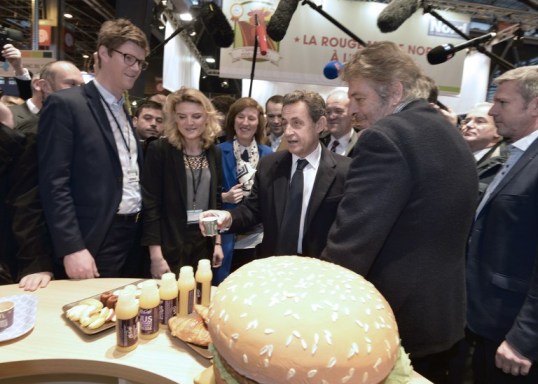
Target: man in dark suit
(502,256)
(342,136)
(90,161)
(270,201)
(408,205)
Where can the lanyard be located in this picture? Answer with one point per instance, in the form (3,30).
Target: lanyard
(195,183)
(127,142)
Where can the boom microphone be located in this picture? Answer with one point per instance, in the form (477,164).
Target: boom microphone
(280,21)
(216,24)
(395,14)
(444,52)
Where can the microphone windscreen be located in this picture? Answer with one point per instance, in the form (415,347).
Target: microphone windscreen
(440,54)
(280,20)
(395,14)
(13,34)
(217,25)
(332,69)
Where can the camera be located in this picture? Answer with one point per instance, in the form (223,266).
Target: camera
(8,35)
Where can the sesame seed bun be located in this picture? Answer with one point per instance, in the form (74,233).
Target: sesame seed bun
(291,319)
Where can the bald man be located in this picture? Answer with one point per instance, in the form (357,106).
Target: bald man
(342,136)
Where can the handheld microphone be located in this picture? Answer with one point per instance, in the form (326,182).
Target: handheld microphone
(261,35)
(395,14)
(216,24)
(280,21)
(444,52)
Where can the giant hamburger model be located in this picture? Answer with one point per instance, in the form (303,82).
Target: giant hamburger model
(291,319)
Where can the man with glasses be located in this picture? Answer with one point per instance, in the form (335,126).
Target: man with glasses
(90,162)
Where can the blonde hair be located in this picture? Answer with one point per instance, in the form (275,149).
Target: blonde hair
(190,95)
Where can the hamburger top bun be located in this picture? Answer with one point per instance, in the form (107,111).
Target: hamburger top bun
(291,319)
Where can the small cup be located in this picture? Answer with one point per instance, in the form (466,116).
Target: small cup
(210,225)
(7,311)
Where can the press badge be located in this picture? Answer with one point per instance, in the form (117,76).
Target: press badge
(193,216)
(132,176)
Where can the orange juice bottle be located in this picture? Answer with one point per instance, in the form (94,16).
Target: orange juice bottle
(203,279)
(126,322)
(187,287)
(168,298)
(149,310)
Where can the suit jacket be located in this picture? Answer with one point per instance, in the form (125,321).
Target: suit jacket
(326,139)
(23,115)
(267,201)
(404,220)
(164,193)
(502,260)
(80,174)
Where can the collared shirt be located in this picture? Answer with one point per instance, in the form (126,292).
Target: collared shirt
(516,149)
(309,173)
(32,107)
(131,199)
(275,141)
(342,143)
(480,154)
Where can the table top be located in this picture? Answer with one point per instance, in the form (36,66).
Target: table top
(54,345)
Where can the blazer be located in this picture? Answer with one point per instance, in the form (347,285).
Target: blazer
(164,194)
(502,260)
(80,174)
(22,114)
(267,201)
(404,220)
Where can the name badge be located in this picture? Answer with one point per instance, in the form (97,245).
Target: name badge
(132,176)
(193,216)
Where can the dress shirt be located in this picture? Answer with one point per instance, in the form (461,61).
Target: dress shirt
(309,174)
(131,199)
(342,143)
(275,141)
(32,107)
(480,154)
(516,150)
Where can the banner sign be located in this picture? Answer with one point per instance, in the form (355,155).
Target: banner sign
(312,41)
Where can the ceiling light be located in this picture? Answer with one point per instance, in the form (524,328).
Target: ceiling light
(161,26)
(85,56)
(68,15)
(185,16)
(192,33)
(210,60)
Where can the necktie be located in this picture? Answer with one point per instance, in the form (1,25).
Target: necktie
(244,156)
(289,231)
(334,145)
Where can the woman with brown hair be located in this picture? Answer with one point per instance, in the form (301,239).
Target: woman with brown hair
(182,177)
(245,145)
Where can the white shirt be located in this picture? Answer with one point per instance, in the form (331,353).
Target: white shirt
(517,149)
(275,141)
(309,176)
(342,143)
(131,199)
(480,154)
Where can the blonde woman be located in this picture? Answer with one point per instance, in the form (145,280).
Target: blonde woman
(182,177)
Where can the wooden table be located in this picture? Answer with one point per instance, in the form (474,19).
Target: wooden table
(55,346)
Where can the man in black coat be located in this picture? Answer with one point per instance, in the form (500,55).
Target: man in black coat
(303,118)
(502,257)
(408,205)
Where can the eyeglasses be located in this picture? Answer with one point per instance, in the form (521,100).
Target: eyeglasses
(130,60)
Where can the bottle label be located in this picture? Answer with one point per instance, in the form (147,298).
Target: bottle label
(127,332)
(190,306)
(149,321)
(198,293)
(167,309)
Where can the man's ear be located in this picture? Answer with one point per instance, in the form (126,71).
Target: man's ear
(43,86)
(396,93)
(321,124)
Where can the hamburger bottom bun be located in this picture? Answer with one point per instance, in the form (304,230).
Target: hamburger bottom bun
(291,319)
